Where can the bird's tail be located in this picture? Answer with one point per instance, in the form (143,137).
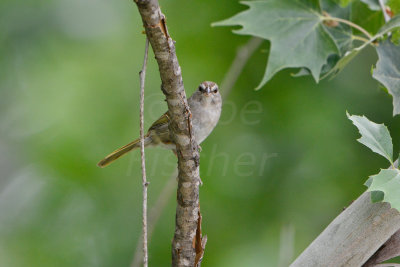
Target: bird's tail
(122,151)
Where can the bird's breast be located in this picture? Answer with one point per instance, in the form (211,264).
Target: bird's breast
(204,122)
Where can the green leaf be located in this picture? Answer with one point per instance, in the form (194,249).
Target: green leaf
(387,71)
(388,182)
(332,61)
(376,196)
(375,136)
(294,28)
(344,61)
(342,33)
(390,26)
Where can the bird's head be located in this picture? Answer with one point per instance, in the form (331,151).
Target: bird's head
(208,93)
(208,88)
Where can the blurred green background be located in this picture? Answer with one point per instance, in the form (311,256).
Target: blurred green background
(280,166)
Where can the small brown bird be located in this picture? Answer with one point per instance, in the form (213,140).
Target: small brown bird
(205,105)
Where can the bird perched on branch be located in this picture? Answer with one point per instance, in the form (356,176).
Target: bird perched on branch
(205,105)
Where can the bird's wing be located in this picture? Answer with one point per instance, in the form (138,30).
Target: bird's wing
(163,120)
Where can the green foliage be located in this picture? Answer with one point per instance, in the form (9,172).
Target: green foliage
(341,33)
(375,136)
(387,71)
(349,56)
(377,196)
(393,24)
(346,59)
(384,186)
(296,32)
(316,37)
(387,181)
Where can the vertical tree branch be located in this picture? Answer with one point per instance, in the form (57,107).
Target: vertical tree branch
(142,75)
(243,54)
(187,211)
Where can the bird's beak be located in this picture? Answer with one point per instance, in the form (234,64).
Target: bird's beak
(208,91)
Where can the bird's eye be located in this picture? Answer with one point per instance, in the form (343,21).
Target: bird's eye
(215,90)
(201,89)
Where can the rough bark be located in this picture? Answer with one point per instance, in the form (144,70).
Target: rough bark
(187,212)
(389,250)
(353,237)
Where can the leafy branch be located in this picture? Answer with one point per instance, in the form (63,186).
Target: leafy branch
(374,136)
(385,184)
(365,233)
(327,17)
(317,36)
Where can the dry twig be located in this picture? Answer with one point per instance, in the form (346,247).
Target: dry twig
(154,216)
(142,75)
